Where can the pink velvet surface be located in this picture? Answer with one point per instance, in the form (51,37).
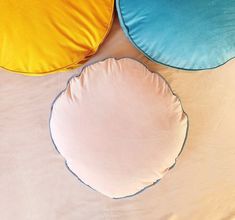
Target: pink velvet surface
(118,126)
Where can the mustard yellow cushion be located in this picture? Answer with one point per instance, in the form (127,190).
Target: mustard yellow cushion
(40,36)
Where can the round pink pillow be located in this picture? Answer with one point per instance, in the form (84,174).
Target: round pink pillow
(118,126)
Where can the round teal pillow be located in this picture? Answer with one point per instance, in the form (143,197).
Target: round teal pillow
(185,34)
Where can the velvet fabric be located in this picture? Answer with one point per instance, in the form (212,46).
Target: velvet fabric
(184,34)
(41,37)
(118,126)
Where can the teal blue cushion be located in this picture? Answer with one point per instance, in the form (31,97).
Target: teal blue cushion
(187,34)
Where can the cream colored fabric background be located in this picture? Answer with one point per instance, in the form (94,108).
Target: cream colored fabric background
(36,185)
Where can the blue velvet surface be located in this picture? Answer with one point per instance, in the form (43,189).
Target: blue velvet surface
(186,34)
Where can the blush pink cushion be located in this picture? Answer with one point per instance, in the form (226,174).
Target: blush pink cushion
(118,126)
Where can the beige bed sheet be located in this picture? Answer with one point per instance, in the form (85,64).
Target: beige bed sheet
(36,185)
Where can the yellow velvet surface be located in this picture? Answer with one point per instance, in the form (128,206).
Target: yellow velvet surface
(40,36)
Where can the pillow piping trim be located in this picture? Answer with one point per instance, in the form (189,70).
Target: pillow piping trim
(76,64)
(126,32)
(66,164)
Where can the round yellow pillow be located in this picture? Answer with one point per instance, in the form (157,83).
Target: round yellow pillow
(40,37)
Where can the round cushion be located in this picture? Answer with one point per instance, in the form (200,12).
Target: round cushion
(39,37)
(119,127)
(186,34)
